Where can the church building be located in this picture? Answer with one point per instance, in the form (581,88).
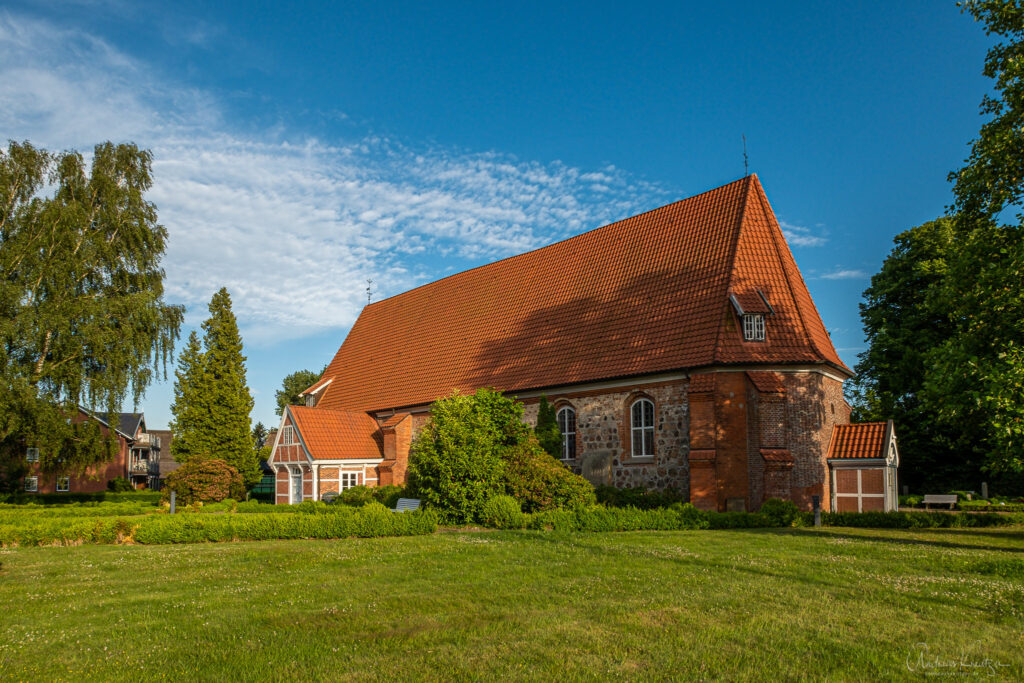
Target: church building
(680,348)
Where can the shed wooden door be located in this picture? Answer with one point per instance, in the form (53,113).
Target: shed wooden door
(860,489)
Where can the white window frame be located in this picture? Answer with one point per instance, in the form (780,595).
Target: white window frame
(563,424)
(287,435)
(639,430)
(66,481)
(32,484)
(347,480)
(753,327)
(31,455)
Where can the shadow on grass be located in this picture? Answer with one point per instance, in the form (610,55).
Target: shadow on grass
(833,532)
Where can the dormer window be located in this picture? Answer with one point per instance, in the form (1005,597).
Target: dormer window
(753,327)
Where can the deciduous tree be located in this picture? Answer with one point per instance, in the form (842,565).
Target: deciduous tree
(82,315)
(293,385)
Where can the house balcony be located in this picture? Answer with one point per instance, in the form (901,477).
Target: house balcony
(147,440)
(149,467)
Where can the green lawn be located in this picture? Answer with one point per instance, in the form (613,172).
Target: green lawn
(741,604)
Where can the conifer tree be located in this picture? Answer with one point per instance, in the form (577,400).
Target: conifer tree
(547,431)
(192,431)
(212,399)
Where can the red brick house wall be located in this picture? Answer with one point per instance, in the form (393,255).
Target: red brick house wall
(94,479)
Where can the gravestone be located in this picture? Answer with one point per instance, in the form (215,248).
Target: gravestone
(597,468)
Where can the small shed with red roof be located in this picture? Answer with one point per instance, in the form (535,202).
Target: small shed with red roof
(862,460)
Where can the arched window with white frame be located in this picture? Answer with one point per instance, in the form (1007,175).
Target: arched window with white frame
(567,428)
(642,428)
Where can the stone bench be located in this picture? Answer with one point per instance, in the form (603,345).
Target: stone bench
(934,499)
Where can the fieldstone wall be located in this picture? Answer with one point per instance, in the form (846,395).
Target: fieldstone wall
(603,447)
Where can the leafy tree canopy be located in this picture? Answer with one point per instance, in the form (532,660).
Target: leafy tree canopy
(82,316)
(293,385)
(978,377)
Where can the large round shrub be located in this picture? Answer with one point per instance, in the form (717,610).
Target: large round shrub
(539,482)
(503,512)
(204,480)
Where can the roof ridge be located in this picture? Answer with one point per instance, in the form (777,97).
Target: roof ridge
(785,276)
(562,241)
(776,233)
(733,251)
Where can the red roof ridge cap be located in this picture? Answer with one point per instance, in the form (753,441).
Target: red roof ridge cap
(749,180)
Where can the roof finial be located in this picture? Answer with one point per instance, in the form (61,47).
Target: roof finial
(746,166)
(369,290)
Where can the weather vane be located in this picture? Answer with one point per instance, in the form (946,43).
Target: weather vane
(746,170)
(369,290)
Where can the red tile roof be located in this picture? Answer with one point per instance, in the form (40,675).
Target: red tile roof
(394,420)
(702,383)
(644,295)
(767,382)
(317,386)
(861,440)
(776,455)
(337,434)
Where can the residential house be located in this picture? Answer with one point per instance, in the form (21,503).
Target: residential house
(136,458)
(680,348)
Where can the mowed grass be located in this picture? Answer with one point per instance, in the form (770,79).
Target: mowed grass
(738,605)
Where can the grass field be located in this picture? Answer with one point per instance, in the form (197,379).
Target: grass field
(740,604)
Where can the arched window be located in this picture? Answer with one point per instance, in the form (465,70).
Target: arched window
(642,422)
(567,426)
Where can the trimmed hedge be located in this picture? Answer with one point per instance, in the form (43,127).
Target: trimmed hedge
(683,516)
(65,498)
(371,521)
(913,520)
(637,497)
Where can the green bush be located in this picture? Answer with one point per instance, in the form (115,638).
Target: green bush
(780,512)
(120,485)
(539,482)
(388,495)
(357,496)
(990,506)
(503,512)
(637,497)
(548,435)
(911,501)
(201,480)
(455,462)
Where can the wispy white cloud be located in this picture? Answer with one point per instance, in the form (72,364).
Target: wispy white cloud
(844,274)
(800,236)
(293,225)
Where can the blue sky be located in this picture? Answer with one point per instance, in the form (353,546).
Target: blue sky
(302,149)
